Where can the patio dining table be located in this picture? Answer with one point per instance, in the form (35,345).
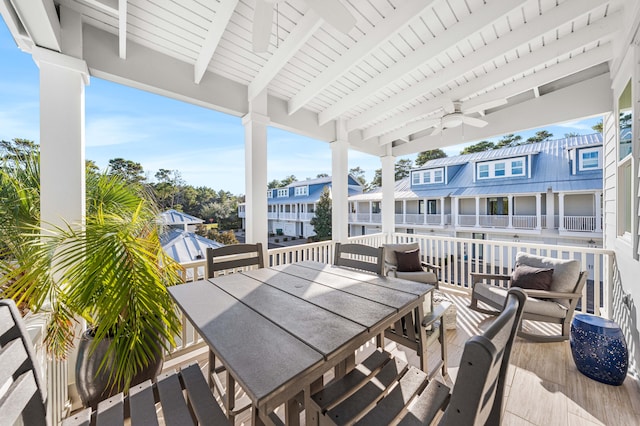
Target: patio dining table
(278,330)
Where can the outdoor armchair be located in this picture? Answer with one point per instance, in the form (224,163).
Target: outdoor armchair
(555,305)
(425,273)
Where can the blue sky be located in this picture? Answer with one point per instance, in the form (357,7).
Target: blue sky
(207,147)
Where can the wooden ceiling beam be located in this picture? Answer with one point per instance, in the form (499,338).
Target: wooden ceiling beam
(602,30)
(400,18)
(566,12)
(214,34)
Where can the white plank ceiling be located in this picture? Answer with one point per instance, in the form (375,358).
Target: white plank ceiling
(390,78)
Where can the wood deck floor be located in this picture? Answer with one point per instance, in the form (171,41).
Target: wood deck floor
(543,385)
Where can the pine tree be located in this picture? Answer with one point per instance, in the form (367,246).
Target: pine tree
(322,221)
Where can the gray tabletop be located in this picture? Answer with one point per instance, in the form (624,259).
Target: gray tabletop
(279,329)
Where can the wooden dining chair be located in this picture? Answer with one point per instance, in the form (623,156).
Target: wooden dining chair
(178,398)
(233,258)
(385,390)
(360,256)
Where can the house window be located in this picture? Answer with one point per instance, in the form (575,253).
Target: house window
(283,192)
(269,193)
(426,177)
(625,119)
(503,168)
(517,168)
(625,210)
(415,178)
(431,206)
(301,190)
(497,206)
(589,159)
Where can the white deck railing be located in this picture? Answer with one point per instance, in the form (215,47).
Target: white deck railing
(580,223)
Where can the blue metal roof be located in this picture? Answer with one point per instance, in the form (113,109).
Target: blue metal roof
(174,217)
(550,169)
(185,246)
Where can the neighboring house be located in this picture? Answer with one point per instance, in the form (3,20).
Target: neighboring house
(175,219)
(291,208)
(547,192)
(187,247)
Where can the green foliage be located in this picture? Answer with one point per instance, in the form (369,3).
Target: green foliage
(540,136)
(274,184)
(358,174)
(425,156)
(571,135)
(598,127)
(478,147)
(112,271)
(508,140)
(226,237)
(322,221)
(322,175)
(402,170)
(128,170)
(288,180)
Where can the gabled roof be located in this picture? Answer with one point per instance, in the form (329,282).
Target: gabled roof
(185,246)
(314,195)
(174,217)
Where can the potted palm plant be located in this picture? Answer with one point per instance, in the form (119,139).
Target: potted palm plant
(110,271)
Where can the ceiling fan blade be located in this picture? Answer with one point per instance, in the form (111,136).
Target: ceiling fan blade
(262,24)
(475,122)
(483,106)
(335,13)
(437,130)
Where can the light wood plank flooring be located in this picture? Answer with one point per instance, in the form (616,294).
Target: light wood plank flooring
(543,385)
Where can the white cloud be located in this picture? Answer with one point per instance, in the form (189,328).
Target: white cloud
(115,130)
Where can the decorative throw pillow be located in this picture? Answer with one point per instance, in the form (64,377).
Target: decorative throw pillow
(409,261)
(525,276)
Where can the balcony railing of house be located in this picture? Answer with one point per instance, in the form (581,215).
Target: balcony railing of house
(307,216)
(272,215)
(580,223)
(524,222)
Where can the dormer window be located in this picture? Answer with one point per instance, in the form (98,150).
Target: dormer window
(426,177)
(269,193)
(284,192)
(301,190)
(511,167)
(589,159)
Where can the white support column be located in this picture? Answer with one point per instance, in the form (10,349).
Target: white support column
(62,137)
(551,209)
(455,206)
(424,211)
(340,184)
(404,211)
(561,212)
(388,200)
(370,211)
(598,210)
(477,211)
(442,211)
(510,210)
(538,211)
(255,164)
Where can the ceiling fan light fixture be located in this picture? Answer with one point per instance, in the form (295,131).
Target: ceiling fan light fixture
(452,120)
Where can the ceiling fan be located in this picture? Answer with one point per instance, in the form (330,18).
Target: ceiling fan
(455,114)
(331,11)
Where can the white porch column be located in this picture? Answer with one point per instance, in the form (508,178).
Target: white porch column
(510,210)
(538,211)
(255,166)
(442,211)
(561,212)
(62,137)
(550,209)
(598,210)
(404,211)
(424,211)
(339,184)
(370,211)
(477,211)
(388,201)
(455,205)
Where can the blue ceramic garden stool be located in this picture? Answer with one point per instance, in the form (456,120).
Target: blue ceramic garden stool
(599,349)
